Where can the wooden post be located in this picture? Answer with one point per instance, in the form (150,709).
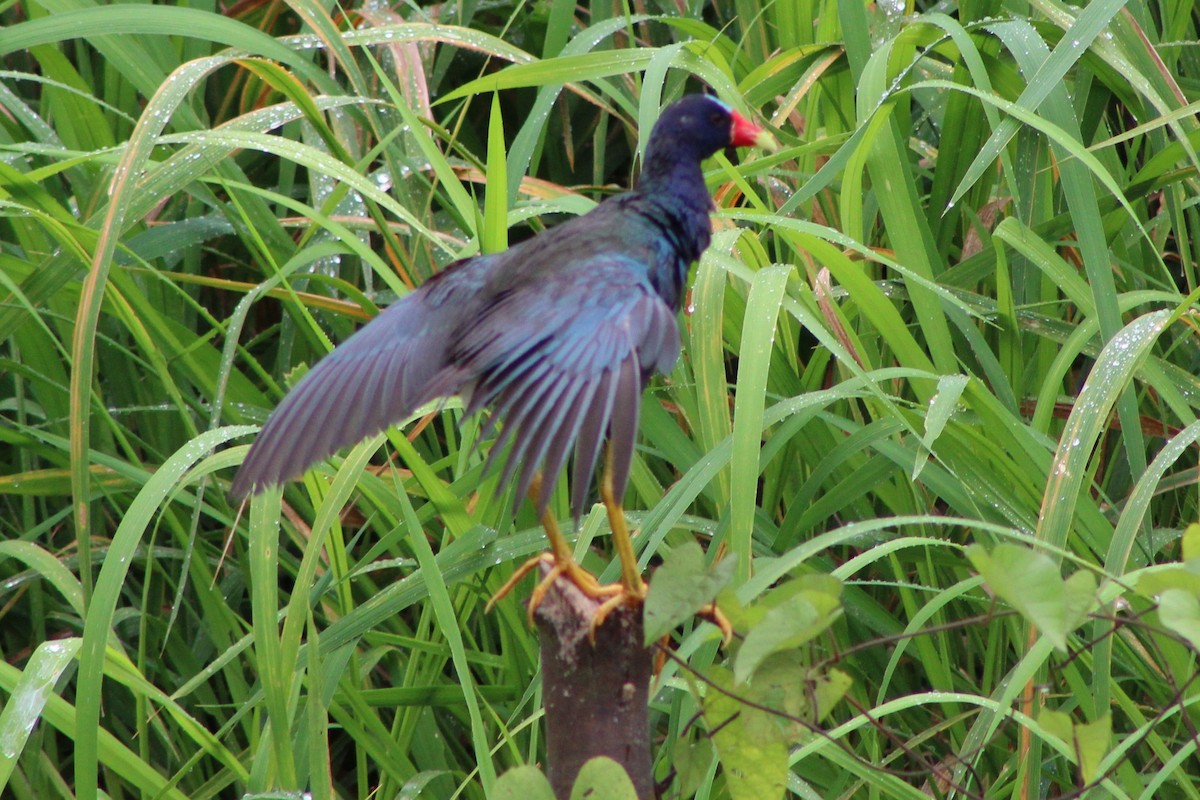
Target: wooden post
(596,695)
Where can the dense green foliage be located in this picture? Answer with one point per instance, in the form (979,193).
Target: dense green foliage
(940,367)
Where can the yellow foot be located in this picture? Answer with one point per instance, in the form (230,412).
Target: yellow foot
(622,596)
(584,581)
(515,578)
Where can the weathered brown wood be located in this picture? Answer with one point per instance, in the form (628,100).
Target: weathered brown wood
(596,695)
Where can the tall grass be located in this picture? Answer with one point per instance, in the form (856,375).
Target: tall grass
(935,418)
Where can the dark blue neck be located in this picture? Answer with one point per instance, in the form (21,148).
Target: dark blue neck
(673,182)
(677,201)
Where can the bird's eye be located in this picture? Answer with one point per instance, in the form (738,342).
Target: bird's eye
(715,119)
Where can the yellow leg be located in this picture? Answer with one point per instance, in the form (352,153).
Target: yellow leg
(561,560)
(633,588)
(630,591)
(631,576)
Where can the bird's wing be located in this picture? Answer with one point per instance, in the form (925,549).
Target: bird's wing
(389,368)
(564,360)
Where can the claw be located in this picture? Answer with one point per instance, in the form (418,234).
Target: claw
(583,580)
(621,596)
(630,592)
(714,615)
(611,595)
(515,578)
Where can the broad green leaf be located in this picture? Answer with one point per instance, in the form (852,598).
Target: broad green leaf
(1090,741)
(802,694)
(1093,740)
(1191,542)
(1057,723)
(793,614)
(682,586)
(603,777)
(1179,610)
(829,689)
(783,628)
(1030,582)
(1184,578)
(522,783)
(751,746)
(691,760)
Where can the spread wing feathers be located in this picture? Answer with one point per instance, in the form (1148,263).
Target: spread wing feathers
(383,373)
(563,359)
(569,374)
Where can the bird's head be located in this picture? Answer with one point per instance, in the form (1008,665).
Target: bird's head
(698,126)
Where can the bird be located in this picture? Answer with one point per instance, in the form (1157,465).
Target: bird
(559,335)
